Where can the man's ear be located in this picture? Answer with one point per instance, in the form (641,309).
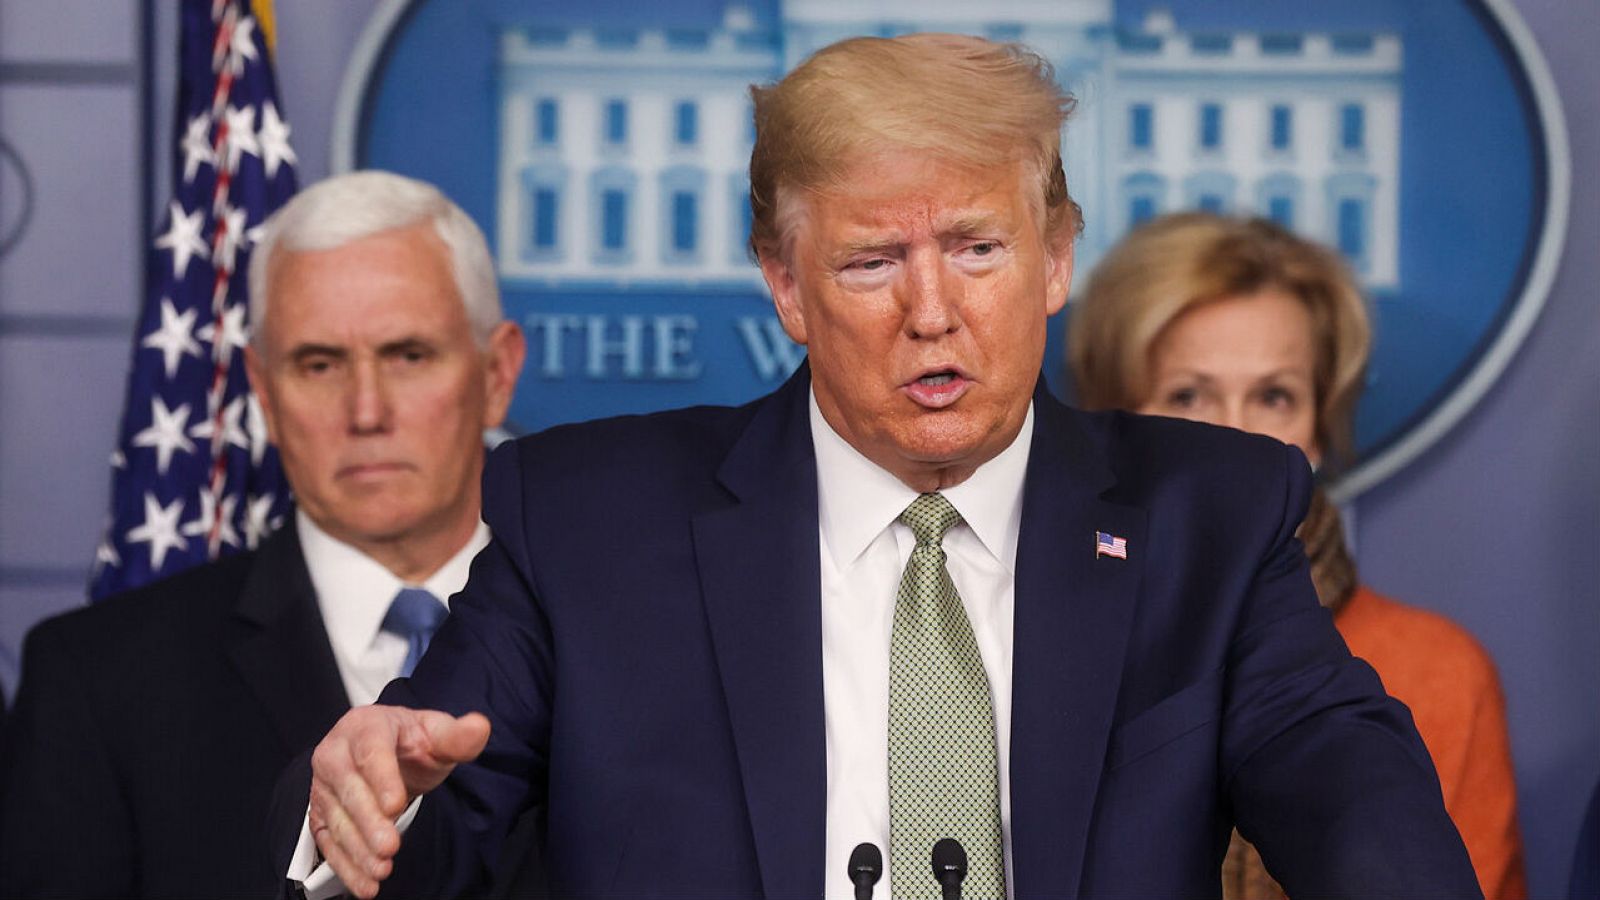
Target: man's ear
(1058,276)
(506,349)
(255,370)
(785,295)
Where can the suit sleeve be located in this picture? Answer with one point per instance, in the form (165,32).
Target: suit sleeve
(65,827)
(493,655)
(1326,773)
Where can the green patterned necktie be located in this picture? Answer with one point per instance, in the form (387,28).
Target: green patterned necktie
(943,780)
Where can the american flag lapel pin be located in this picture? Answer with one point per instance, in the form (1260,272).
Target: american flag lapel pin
(1110,545)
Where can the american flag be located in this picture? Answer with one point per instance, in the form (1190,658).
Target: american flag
(1110,545)
(193,476)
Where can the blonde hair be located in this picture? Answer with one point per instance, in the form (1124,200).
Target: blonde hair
(1176,262)
(964,99)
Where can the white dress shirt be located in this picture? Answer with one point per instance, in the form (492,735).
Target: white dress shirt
(864,553)
(354,592)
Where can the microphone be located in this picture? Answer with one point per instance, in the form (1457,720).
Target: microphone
(866,867)
(949,866)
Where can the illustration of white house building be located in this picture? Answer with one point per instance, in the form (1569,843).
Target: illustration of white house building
(623,151)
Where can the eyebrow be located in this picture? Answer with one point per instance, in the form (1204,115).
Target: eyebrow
(303,352)
(404,345)
(969,224)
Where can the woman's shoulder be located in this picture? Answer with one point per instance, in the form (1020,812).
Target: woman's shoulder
(1405,641)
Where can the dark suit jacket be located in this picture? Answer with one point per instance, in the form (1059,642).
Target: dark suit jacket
(149,730)
(645,635)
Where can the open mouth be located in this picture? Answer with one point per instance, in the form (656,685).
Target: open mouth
(937,389)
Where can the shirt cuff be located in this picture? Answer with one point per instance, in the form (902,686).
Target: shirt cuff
(316,878)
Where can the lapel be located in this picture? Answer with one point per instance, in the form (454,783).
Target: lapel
(1072,617)
(280,647)
(758,560)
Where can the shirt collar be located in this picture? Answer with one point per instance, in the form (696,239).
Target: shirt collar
(857,499)
(354,590)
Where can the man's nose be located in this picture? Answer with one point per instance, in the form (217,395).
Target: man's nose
(933,295)
(369,399)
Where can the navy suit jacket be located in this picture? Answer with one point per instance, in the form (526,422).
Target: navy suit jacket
(150,729)
(644,633)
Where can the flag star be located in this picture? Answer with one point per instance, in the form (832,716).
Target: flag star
(159,529)
(242,44)
(118,461)
(256,423)
(173,337)
(165,433)
(253,235)
(230,235)
(235,334)
(232,432)
(258,520)
(196,146)
(183,238)
(202,525)
(241,135)
(106,555)
(274,135)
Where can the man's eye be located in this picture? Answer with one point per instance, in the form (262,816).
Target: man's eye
(872,265)
(984,248)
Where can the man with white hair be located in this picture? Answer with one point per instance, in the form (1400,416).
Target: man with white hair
(150,728)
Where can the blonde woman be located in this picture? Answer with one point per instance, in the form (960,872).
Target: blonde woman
(1238,322)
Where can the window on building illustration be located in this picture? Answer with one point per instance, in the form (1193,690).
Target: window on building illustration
(1352,44)
(1210,191)
(1352,127)
(616,38)
(543,192)
(616,122)
(688,38)
(1352,229)
(1211,44)
(1210,126)
(548,125)
(1143,196)
(1282,127)
(686,122)
(1141,209)
(1281,210)
(614,219)
(1281,44)
(1141,126)
(685,221)
(546,213)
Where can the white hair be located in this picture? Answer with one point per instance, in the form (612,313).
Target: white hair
(346,208)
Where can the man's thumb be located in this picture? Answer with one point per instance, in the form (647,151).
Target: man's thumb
(456,740)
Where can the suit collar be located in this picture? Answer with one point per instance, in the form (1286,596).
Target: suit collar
(279,646)
(1074,611)
(758,558)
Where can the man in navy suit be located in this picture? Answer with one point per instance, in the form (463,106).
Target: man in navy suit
(150,728)
(699,639)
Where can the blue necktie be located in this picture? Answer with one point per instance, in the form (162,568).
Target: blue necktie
(414,615)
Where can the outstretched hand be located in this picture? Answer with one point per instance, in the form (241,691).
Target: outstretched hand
(368,769)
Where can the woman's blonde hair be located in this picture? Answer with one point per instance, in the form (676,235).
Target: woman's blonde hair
(1176,262)
(964,99)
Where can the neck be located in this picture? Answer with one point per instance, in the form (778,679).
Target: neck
(414,557)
